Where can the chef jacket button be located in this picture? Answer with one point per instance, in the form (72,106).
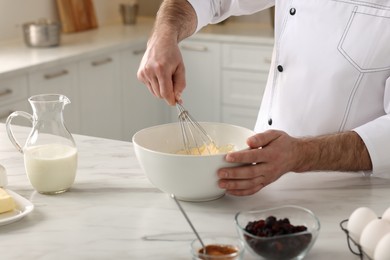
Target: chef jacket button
(293,11)
(280,68)
(270,121)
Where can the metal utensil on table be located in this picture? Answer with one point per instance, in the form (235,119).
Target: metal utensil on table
(189,222)
(194,135)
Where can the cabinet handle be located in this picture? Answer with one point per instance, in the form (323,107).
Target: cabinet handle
(194,48)
(5,115)
(138,52)
(101,62)
(5,92)
(56,74)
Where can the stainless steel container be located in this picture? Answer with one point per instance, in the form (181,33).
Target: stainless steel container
(43,33)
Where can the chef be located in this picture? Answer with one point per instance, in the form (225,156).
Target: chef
(327,101)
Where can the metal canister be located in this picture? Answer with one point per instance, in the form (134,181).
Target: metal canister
(129,12)
(42,33)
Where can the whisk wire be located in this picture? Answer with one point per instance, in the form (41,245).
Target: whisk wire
(190,129)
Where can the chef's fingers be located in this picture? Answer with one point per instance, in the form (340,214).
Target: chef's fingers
(248,179)
(179,82)
(243,187)
(261,148)
(263,139)
(150,88)
(155,87)
(171,83)
(143,78)
(145,75)
(250,171)
(248,156)
(158,83)
(161,77)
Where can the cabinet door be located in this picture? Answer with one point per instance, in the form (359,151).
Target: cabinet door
(100,96)
(6,110)
(244,77)
(60,79)
(202,94)
(13,89)
(140,108)
(13,97)
(243,88)
(241,116)
(246,56)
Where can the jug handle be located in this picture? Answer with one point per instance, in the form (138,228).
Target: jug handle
(9,130)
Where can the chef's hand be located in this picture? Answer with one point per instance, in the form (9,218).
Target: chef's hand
(162,69)
(271,154)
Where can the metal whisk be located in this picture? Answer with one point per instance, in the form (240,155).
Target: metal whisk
(194,135)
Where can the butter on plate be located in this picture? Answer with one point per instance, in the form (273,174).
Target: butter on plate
(7,203)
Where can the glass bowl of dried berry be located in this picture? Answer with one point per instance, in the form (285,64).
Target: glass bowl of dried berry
(286,232)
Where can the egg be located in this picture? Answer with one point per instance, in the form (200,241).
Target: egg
(382,250)
(358,220)
(386,215)
(371,235)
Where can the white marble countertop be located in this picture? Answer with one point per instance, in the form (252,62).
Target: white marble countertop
(113,212)
(16,57)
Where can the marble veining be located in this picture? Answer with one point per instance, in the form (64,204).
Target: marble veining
(113,212)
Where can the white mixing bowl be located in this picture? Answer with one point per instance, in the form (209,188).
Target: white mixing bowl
(188,177)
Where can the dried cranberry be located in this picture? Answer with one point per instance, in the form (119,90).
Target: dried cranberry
(282,247)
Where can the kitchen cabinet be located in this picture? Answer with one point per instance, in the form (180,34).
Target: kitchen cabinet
(6,110)
(225,81)
(140,108)
(202,94)
(107,100)
(100,96)
(61,79)
(13,97)
(225,74)
(245,70)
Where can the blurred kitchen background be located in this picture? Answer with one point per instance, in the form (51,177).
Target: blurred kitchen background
(14,13)
(96,67)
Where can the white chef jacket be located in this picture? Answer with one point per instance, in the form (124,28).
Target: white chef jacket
(330,70)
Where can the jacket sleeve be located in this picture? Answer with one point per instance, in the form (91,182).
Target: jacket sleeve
(376,136)
(215,11)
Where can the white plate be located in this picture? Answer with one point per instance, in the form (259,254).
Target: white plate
(23,207)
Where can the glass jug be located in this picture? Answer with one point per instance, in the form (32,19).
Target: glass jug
(50,153)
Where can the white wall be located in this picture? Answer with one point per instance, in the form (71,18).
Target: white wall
(13,13)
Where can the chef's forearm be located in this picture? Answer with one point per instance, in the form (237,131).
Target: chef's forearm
(338,152)
(175,19)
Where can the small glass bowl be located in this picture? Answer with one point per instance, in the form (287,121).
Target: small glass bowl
(289,246)
(219,241)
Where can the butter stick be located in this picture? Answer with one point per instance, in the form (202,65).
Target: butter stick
(7,203)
